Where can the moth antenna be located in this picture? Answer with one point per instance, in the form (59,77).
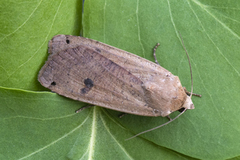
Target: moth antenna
(157,126)
(189,64)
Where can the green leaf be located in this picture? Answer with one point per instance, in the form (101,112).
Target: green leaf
(210,31)
(43,125)
(26,28)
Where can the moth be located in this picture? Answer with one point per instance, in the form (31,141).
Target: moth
(99,74)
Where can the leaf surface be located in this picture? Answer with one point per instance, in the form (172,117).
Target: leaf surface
(43,125)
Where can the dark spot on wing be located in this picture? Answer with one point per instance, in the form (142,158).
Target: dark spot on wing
(88,82)
(98,50)
(53,83)
(84,90)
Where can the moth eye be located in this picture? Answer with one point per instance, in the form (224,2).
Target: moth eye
(67,41)
(181,109)
(53,83)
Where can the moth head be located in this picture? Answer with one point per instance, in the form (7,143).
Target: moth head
(188,104)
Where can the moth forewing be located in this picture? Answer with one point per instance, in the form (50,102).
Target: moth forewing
(99,74)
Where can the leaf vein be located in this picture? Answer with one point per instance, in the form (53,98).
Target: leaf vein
(139,34)
(23,22)
(39,46)
(226,59)
(50,144)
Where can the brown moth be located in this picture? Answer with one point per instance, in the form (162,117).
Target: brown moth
(96,73)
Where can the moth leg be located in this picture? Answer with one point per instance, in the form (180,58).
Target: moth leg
(180,110)
(169,118)
(154,53)
(189,93)
(122,115)
(88,106)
